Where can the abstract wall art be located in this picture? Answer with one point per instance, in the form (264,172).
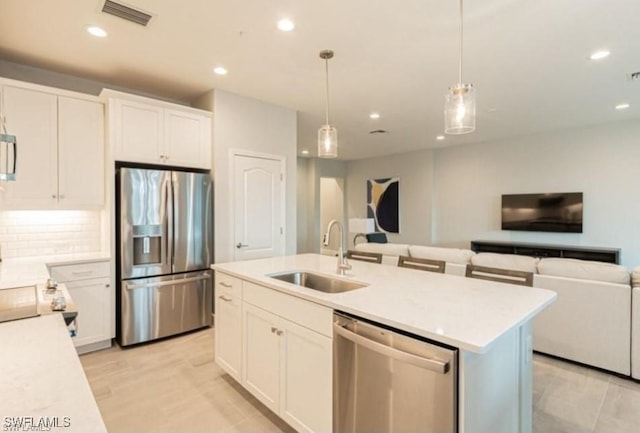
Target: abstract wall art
(382,203)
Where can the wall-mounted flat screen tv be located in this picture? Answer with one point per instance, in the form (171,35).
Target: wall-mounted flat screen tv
(556,212)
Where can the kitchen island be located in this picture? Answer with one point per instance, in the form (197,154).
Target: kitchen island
(489,323)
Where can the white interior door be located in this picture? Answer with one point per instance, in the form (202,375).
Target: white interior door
(258,198)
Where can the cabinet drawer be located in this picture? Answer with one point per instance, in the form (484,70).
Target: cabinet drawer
(313,316)
(80,271)
(228,288)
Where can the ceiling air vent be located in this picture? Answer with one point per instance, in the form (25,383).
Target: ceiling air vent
(126,13)
(378,131)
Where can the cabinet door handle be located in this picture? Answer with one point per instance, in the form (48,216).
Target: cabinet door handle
(274,329)
(279,332)
(223,284)
(53,196)
(241,245)
(225,299)
(82,272)
(61,196)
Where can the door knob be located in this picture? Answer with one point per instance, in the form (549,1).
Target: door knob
(240,245)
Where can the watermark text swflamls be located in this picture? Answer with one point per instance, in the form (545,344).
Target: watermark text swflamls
(33,423)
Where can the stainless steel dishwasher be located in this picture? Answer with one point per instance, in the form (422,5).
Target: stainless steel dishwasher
(386,380)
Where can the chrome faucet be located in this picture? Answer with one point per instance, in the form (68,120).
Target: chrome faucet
(343,265)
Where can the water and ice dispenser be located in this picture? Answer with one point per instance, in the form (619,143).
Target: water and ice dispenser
(147,244)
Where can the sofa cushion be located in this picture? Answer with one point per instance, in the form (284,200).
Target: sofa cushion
(389,249)
(635,277)
(584,270)
(449,255)
(505,261)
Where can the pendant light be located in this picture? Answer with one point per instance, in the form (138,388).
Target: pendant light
(327,134)
(460,102)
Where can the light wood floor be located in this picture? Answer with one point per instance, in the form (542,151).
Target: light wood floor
(175,386)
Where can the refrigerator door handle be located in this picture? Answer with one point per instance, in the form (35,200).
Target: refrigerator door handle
(167,283)
(168,190)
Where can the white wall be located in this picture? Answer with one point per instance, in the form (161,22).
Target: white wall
(602,162)
(331,207)
(248,124)
(415,170)
(312,170)
(302,211)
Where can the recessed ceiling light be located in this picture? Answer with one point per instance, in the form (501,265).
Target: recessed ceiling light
(97,31)
(305,152)
(440,137)
(374,116)
(600,54)
(622,106)
(220,70)
(286,25)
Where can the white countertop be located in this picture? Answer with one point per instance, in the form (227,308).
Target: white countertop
(42,378)
(463,312)
(26,271)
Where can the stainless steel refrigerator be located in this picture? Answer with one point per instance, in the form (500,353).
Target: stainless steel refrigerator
(165,247)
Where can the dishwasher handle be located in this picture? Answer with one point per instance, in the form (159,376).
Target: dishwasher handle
(436,365)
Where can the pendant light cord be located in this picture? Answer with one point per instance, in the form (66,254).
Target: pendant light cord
(326,108)
(460,68)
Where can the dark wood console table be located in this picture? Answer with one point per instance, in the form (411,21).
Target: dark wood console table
(609,255)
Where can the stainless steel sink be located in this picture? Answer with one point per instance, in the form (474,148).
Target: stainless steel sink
(318,282)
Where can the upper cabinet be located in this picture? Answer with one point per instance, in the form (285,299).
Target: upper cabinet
(60,150)
(155,132)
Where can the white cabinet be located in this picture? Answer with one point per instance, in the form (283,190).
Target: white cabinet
(90,288)
(287,356)
(279,347)
(261,346)
(80,153)
(60,162)
(154,132)
(187,139)
(228,324)
(306,391)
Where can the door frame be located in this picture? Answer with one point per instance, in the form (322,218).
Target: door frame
(233,153)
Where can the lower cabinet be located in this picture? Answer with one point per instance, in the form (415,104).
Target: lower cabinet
(286,352)
(90,288)
(93,318)
(306,380)
(228,324)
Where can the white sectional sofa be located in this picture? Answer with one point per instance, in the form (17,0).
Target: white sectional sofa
(456,259)
(591,321)
(635,320)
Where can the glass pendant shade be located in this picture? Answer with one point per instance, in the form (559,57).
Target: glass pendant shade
(460,109)
(327,142)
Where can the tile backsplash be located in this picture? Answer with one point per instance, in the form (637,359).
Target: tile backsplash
(39,233)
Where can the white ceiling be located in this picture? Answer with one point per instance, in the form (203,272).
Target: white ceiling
(528,60)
